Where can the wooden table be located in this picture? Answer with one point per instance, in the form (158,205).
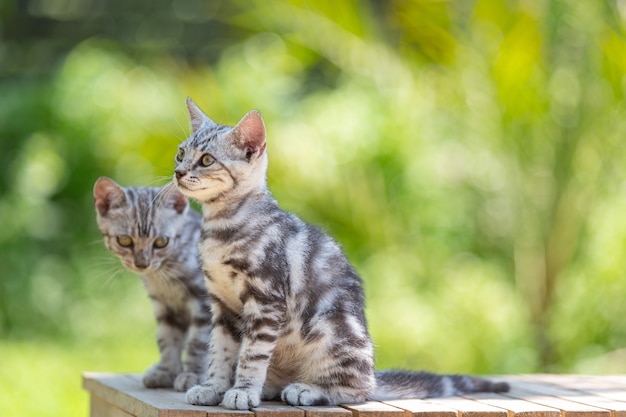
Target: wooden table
(123,395)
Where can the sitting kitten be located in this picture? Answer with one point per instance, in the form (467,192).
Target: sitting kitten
(155,234)
(288,307)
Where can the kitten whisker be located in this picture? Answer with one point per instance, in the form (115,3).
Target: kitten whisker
(160,180)
(95,242)
(103,261)
(185,134)
(164,193)
(112,275)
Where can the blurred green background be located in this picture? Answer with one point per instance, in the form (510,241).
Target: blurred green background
(467,154)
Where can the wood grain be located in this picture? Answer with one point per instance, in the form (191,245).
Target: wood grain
(540,395)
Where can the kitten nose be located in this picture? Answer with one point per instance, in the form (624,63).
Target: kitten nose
(180,173)
(141,261)
(141,264)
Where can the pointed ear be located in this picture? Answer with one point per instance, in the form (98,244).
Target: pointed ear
(175,198)
(196,116)
(107,194)
(250,132)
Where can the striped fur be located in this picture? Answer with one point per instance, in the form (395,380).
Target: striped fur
(171,273)
(288,307)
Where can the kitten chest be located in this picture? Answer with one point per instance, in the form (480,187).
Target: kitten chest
(222,280)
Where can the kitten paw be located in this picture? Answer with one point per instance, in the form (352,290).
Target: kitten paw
(186,380)
(303,394)
(159,377)
(241,399)
(203,395)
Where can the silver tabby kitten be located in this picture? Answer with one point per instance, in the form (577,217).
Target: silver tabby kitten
(288,307)
(155,234)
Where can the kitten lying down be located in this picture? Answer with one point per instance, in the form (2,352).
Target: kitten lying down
(288,307)
(154,233)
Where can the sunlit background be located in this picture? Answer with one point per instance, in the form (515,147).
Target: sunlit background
(468,155)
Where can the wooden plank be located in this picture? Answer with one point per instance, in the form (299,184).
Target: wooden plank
(94,383)
(326,411)
(617,379)
(612,387)
(469,408)
(374,409)
(275,408)
(609,386)
(100,408)
(568,408)
(549,396)
(515,407)
(421,408)
(128,393)
(180,408)
(552,379)
(541,395)
(527,388)
(617,382)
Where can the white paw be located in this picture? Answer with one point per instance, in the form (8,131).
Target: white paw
(241,399)
(186,380)
(303,394)
(203,395)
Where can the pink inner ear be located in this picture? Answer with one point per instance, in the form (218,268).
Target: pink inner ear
(251,131)
(102,205)
(105,192)
(179,201)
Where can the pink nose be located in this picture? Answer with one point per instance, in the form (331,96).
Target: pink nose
(179,174)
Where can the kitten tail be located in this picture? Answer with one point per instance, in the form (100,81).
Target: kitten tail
(394,385)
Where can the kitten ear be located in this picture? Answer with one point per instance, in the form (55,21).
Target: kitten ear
(250,133)
(107,194)
(196,116)
(175,198)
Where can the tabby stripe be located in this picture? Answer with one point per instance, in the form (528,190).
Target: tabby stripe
(266,337)
(226,234)
(257,357)
(241,265)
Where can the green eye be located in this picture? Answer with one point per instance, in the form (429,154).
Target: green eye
(125,241)
(181,155)
(161,242)
(206,160)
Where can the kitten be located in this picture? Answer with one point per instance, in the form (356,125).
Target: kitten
(155,234)
(288,307)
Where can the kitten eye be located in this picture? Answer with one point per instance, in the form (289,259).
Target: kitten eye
(125,241)
(181,155)
(206,160)
(161,242)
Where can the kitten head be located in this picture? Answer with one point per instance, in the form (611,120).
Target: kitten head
(220,161)
(140,225)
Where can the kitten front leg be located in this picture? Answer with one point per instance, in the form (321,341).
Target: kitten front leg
(263,322)
(197,347)
(170,341)
(222,357)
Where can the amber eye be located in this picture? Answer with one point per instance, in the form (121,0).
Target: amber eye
(161,242)
(206,160)
(181,155)
(125,241)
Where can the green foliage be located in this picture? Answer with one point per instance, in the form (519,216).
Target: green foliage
(467,155)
